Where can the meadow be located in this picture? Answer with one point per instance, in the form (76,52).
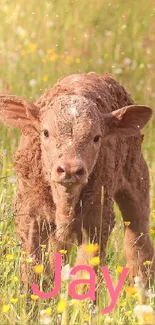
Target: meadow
(40,42)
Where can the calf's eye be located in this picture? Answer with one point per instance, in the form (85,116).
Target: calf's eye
(96,138)
(46,133)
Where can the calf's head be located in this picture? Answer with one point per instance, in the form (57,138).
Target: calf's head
(71,131)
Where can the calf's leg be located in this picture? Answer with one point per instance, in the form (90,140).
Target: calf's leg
(133,201)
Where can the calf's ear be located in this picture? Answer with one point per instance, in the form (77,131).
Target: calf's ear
(128,120)
(18,112)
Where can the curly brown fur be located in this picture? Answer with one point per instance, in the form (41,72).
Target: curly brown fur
(54,214)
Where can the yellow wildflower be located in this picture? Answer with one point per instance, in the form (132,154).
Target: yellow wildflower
(9,170)
(73,302)
(10,165)
(147,263)
(32,47)
(14,279)
(61,306)
(23,252)
(63,251)
(108,320)
(87,318)
(152,231)
(127,223)
(14,300)
(128,313)
(38,269)
(77,60)
(95,261)
(34,297)
(119,269)
(53,57)
(48,311)
(130,291)
(91,248)
(5,308)
(46,253)
(9,257)
(123,303)
(29,260)
(22,296)
(45,78)
(43,246)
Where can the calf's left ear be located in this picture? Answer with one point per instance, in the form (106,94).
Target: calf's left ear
(18,112)
(128,120)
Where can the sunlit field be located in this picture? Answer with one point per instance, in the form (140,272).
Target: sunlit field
(40,42)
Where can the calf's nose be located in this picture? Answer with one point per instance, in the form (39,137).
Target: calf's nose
(73,170)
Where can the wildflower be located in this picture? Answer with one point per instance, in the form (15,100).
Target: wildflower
(45,78)
(46,253)
(14,279)
(63,251)
(48,311)
(20,31)
(29,260)
(147,263)
(53,57)
(73,302)
(5,308)
(127,223)
(91,248)
(77,60)
(128,313)
(119,269)
(130,291)
(23,252)
(61,306)
(123,303)
(9,257)
(87,318)
(10,165)
(65,273)
(152,231)
(9,170)
(127,61)
(150,294)
(32,47)
(43,246)
(95,261)
(144,312)
(38,269)
(14,300)
(34,297)
(44,318)
(32,82)
(22,296)
(137,280)
(108,320)
(118,71)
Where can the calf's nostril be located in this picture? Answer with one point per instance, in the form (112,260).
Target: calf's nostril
(80,172)
(60,170)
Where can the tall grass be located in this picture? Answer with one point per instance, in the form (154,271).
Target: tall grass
(41,41)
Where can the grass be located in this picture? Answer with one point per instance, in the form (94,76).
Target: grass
(40,42)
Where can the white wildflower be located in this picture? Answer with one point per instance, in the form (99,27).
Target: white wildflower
(143,312)
(118,71)
(65,272)
(32,82)
(127,61)
(44,318)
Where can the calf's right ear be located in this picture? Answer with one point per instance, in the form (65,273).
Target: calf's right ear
(18,112)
